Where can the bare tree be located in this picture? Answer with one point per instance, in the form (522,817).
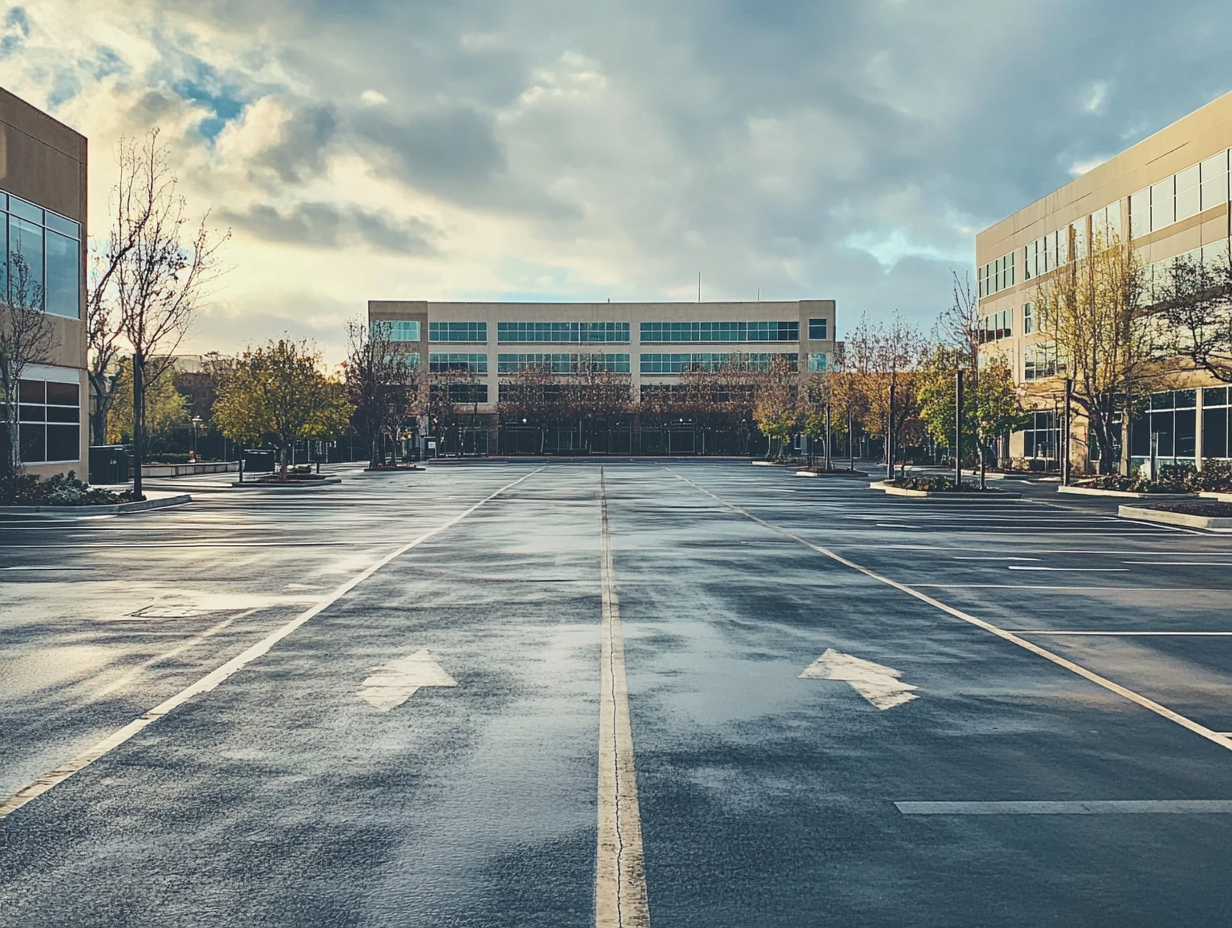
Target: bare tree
(26,337)
(164,269)
(382,383)
(1193,308)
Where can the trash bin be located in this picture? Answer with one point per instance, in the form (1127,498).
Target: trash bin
(259,461)
(108,464)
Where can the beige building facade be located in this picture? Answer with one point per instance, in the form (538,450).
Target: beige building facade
(43,220)
(1168,195)
(652,343)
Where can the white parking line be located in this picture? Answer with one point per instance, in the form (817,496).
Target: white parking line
(1114,634)
(211,680)
(1072,807)
(621,900)
(1081,671)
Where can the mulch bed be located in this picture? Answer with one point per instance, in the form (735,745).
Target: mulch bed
(1209,508)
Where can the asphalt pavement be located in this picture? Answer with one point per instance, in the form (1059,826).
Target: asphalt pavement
(400,700)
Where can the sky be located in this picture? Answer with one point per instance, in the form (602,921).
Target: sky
(550,150)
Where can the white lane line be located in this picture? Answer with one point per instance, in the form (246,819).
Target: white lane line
(1182,563)
(211,680)
(959,557)
(1072,807)
(1087,570)
(1113,634)
(620,877)
(1057,659)
(1070,589)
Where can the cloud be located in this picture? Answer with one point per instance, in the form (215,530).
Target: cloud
(474,149)
(323,225)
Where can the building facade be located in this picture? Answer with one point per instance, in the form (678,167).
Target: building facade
(42,222)
(651,344)
(1168,196)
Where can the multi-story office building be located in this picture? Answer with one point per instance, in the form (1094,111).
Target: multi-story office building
(1168,196)
(42,220)
(651,343)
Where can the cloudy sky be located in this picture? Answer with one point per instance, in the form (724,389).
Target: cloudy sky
(542,149)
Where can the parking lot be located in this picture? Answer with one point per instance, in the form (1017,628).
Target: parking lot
(465,697)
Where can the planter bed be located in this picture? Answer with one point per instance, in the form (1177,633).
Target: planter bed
(964,493)
(107,509)
(1123,494)
(300,483)
(1216,515)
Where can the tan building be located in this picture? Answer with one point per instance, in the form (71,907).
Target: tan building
(650,342)
(1168,195)
(43,219)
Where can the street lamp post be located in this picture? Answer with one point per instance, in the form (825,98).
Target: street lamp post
(196,427)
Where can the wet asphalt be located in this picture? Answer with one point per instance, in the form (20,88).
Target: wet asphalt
(281,797)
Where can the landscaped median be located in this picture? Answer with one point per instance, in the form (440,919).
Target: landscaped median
(832,472)
(63,494)
(940,487)
(1209,514)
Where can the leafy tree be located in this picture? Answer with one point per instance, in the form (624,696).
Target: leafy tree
(880,375)
(26,337)
(279,392)
(776,408)
(165,407)
(1095,317)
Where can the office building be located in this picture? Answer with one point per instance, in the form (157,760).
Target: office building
(43,221)
(1168,196)
(650,344)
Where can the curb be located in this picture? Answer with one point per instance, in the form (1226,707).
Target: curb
(1215,523)
(164,502)
(289,485)
(1121,494)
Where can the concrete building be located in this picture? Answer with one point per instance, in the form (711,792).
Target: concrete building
(1168,195)
(43,219)
(651,343)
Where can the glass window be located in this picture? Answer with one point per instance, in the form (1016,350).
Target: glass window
(1028,319)
(1163,203)
(50,415)
(1215,396)
(817,363)
(19,207)
(25,262)
(1215,432)
(63,294)
(819,329)
(440,362)
(58,223)
(473,332)
(1215,181)
(1188,193)
(404,330)
(1140,213)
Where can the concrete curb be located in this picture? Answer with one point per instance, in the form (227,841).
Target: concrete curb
(289,485)
(1222,497)
(1122,494)
(849,473)
(944,494)
(1216,523)
(163,502)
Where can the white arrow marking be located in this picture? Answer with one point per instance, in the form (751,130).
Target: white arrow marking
(397,681)
(878,684)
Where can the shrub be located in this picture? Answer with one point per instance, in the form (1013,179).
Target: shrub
(60,490)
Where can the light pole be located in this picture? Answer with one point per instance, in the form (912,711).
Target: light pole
(196,427)
(958,419)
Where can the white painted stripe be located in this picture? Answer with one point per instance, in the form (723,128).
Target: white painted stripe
(211,680)
(1044,631)
(1089,570)
(621,900)
(1072,807)
(1081,671)
(959,557)
(1182,563)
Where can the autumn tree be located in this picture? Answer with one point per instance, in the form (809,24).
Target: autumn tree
(881,370)
(279,392)
(26,338)
(776,408)
(148,283)
(1094,316)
